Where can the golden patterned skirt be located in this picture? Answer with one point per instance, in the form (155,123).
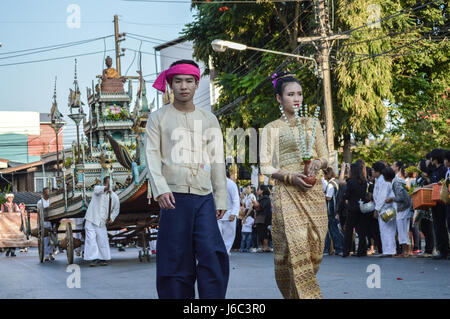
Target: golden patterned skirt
(300,224)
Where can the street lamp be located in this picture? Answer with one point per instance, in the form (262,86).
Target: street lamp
(222,46)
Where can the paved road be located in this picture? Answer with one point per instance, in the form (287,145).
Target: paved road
(251,276)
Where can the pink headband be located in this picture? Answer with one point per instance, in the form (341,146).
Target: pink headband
(167,75)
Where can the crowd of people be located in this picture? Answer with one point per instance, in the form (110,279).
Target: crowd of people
(253,227)
(373,205)
(357,201)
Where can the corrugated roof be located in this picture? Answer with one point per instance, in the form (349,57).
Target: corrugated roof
(20,167)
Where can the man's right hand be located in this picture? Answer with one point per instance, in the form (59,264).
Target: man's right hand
(166,201)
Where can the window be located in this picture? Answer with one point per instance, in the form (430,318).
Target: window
(39,183)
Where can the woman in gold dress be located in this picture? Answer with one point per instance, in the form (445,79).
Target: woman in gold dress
(299,221)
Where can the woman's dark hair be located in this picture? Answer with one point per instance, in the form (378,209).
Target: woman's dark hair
(401,167)
(265,189)
(378,167)
(388,174)
(356,173)
(368,171)
(423,166)
(282,80)
(185,62)
(362,164)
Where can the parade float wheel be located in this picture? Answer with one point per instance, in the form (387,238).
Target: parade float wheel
(69,243)
(41,233)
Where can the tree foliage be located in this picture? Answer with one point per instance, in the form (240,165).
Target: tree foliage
(394,71)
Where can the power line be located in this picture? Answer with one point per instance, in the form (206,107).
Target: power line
(395,14)
(58,58)
(56,45)
(352,61)
(404,11)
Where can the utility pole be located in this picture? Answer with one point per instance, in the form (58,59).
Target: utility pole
(323,59)
(118,38)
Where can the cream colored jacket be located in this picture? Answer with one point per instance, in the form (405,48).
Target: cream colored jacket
(184,154)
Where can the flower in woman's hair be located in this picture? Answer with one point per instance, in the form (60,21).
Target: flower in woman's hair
(274,82)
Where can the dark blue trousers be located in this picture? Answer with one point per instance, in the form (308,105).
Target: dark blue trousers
(189,248)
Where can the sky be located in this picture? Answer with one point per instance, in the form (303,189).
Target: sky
(29,24)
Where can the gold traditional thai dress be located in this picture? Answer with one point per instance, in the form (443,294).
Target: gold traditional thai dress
(299,219)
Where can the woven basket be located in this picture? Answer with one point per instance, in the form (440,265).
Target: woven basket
(436,193)
(421,198)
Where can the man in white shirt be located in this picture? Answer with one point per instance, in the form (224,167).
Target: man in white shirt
(382,191)
(103,209)
(42,206)
(227,224)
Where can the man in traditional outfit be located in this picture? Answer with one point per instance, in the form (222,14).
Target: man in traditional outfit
(227,224)
(10,207)
(42,206)
(103,209)
(189,244)
(382,191)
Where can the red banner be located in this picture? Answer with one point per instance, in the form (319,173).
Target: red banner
(10,234)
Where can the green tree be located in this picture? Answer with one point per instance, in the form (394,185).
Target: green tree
(421,112)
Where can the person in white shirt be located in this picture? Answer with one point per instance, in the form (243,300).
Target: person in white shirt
(42,205)
(382,192)
(249,197)
(102,211)
(247,227)
(227,224)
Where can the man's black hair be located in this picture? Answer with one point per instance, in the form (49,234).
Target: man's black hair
(105,178)
(378,167)
(428,156)
(399,164)
(437,154)
(44,189)
(185,62)
(227,173)
(388,174)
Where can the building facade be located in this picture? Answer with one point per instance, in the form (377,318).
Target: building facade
(25,136)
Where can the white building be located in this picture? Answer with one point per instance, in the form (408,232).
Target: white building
(180,49)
